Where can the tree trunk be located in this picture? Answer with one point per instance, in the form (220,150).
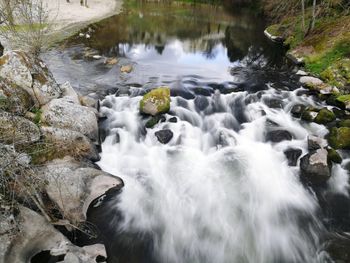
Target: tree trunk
(313,14)
(303,14)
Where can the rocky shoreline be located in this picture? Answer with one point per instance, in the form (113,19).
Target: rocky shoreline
(49,143)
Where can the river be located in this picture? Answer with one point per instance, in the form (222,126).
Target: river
(219,191)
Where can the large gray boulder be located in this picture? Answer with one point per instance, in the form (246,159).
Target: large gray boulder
(73,187)
(314,167)
(66,114)
(64,142)
(35,234)
(30,74)
(14,99)
(17,129)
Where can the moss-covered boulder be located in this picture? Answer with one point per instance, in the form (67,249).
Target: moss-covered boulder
(343,101)
(156,101)
(334,156)
(344,123)
(339,138)
(309,114)
(325,116)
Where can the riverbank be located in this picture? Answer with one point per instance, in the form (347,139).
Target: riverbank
(68,18)
(324,51)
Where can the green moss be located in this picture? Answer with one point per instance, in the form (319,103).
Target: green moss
(38,113)
(318,64)
(339,138)
(274,30)
(334,156)
(158,98)
(344,123)
(324,116)
(343,101)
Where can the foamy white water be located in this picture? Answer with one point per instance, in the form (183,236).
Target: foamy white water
(217,192)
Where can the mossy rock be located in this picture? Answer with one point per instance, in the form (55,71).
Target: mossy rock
(153,121)
(334,156)
(325,116)
(339,138)
(344,123)
(309,114)
(156,101)
(343,101)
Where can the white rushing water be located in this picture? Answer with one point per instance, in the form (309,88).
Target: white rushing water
(217,192)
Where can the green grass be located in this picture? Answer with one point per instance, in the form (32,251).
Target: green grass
(319,64)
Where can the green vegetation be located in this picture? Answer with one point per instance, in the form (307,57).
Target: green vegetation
(37,117)
(322,40)
(339,138)
(324,116)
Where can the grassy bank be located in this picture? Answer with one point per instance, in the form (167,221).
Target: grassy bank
(324,49)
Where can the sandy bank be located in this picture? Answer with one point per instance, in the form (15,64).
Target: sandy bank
(68,17)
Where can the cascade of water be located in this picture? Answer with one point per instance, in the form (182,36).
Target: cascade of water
(217,192)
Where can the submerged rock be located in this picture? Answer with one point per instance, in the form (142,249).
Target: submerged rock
(324,116)
(164,136)
(17,129)
(314,167)
(153,121)
(339,138)
(126,69)
(297,110)
(278,136)
(292,155)
(30,74)
(156,101)
(65,114)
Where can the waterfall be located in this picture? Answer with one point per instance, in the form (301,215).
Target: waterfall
(218,191)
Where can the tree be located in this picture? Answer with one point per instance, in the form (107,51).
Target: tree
(25,24)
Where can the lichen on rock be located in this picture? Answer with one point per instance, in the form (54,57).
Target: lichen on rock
(156,101)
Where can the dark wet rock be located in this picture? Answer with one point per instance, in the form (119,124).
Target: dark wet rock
(339,248)
(1,49)
(164,136)
(292,155)
(156,101)
(278,136)
(273,102)
(153,121)
(173,119)
(344,123)
(297,110)
(334,156)
(343,101)
(202,91)
(314,167)
(325,116)
(309,114)
(17,129)
(314,143)
(201,103)
(339,138)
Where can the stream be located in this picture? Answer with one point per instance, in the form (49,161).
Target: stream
(219,191)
